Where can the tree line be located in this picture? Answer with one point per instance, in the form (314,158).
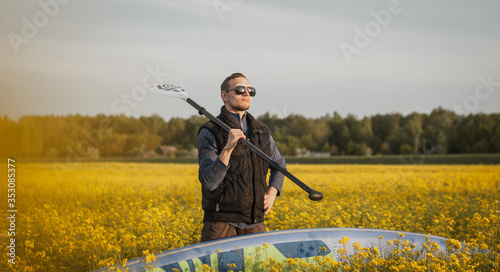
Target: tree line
(440,132)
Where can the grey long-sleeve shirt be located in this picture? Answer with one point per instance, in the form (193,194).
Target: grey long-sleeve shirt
(212,170)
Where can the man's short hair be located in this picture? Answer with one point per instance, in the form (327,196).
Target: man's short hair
(225,83)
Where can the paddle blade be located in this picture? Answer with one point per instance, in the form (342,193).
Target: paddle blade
(170,90)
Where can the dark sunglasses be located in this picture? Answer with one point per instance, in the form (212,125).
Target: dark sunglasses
(239,90)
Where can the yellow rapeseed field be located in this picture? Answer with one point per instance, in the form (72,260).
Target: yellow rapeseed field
(83,216)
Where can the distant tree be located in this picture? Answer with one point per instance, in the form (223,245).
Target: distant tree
(413,128)
(54,131)
(320,132)
(9,137)
(366,133)
(339,135)
(308,142)
(495,139)
(31,137)
(385,125)
(406,149)
(354,148)
(193,124)
(385,149)
(153,123)
(354,127)
(174,132)
(299,126)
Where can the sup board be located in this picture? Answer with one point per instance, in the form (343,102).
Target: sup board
(237,253)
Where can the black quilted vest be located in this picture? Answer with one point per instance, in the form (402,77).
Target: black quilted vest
(240,196)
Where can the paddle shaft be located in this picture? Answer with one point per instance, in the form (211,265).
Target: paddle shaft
(313,195)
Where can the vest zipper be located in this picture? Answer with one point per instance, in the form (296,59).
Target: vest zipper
(217,207)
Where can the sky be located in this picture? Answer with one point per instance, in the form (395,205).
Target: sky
(310,58)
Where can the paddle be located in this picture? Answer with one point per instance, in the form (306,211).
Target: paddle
(178,92)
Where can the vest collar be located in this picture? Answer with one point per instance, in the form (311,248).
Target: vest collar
(235,119)
(236,116)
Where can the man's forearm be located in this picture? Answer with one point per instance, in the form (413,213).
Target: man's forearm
(211,174)
(276,178)
(212,170)
(225,155)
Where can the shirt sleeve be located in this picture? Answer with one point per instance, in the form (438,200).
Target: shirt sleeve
(276,178)
(212,170)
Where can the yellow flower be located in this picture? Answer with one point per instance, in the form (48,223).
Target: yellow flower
(356,245)
(375,251)
(344,240)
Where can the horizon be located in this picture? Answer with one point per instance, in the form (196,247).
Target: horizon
(256,116)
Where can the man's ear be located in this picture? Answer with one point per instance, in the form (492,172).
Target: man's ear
(224,96)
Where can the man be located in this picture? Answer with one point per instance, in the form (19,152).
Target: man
(235,194)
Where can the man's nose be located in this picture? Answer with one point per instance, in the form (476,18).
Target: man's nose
(246,93)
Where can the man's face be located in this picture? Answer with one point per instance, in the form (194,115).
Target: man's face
(235,102)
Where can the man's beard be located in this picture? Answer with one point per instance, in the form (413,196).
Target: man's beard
(240,108)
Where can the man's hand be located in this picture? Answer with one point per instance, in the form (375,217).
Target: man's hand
(234,135)
(269,198)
